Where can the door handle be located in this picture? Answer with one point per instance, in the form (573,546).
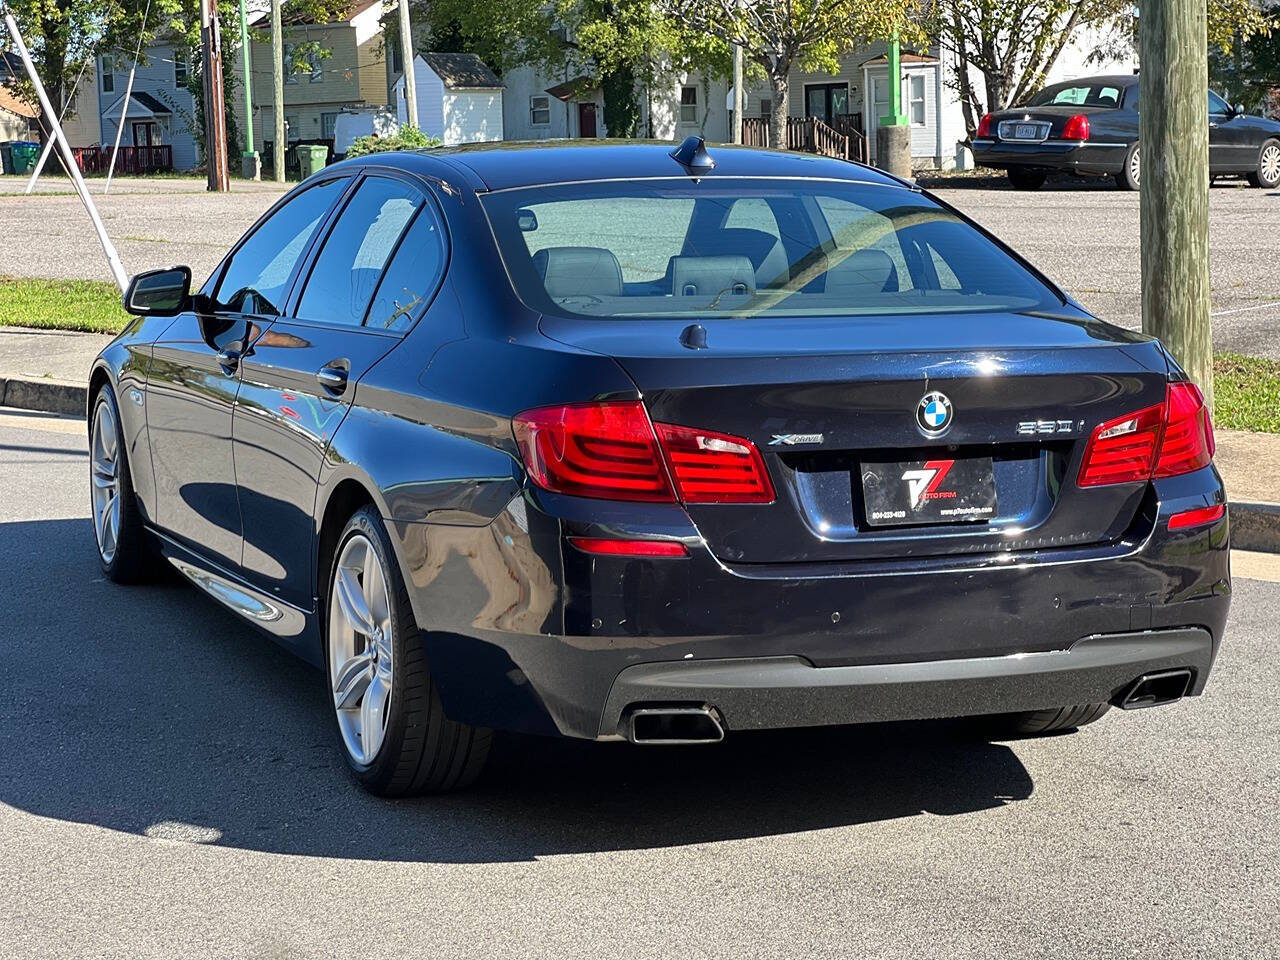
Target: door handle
(229,359)
(332,377)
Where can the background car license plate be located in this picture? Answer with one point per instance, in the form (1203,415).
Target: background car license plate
(1027,131)
(928,491)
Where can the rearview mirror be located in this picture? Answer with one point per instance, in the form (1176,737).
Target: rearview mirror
(160,293)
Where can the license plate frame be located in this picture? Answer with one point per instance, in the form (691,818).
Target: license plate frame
(934,492)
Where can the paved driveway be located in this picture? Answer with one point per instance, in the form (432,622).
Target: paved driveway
(170,788)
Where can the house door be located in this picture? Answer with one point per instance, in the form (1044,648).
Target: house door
(826,100)
(146,135)
(877,96)
(587,120)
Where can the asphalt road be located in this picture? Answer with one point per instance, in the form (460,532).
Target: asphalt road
(171,788)
(1082,234)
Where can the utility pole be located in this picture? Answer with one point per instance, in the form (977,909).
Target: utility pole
(1174,201)
(250,162)
(277,90)
(406,54)
(215,119)
(739,94)
(893,135)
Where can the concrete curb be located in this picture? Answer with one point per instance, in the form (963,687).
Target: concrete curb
(1254,526)
(48,396)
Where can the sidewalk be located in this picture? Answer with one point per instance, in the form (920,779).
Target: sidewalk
(48,370)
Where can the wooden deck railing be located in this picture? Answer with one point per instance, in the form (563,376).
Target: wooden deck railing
(843,140)
(136,160)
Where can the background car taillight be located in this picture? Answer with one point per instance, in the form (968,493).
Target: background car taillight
(984,125)
(1166,440)
(611,451)
(1077,128)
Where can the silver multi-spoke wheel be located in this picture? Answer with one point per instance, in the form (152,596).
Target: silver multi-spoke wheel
(1135,167)
(360,648)
(105,481)
(1269,166)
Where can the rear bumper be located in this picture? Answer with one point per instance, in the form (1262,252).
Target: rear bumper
(1099,157)
(776,692)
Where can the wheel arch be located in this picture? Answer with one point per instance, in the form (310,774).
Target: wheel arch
(98,376)
(343,498)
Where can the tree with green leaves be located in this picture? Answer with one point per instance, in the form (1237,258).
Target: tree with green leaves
(779,35)
(1249,72)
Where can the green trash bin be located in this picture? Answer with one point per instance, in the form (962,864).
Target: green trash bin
(311,157)
(24,154)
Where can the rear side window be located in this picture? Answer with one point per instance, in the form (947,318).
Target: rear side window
(411,279)
(257,276)
(356,251)
(748,247)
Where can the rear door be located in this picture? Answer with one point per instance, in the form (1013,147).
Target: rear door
(300,378)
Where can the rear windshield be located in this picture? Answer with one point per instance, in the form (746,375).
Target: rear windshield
(1078,95)
(746,247)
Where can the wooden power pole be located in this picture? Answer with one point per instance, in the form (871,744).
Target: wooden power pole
(406,54)
(215,118)
(277,91)
(1174,134)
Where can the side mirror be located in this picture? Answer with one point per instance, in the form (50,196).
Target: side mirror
(1239,109)
(160,293)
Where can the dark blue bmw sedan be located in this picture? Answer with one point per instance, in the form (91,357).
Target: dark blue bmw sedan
(621,442)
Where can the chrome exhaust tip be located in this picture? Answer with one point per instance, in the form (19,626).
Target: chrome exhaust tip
(673,726)
(1157,689)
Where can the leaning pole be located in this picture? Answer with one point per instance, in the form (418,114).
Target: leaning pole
(1174,138)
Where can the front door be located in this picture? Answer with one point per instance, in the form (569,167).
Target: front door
(877,95)
(302,374)
(587,120)
(146,134)
(195,378)
(826,100)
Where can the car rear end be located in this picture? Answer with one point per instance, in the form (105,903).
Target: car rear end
(838,493)
(1076,128)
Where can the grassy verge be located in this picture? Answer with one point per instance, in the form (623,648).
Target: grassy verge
(1246,393)
(89,305)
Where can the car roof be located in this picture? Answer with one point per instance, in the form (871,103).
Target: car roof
(502,165)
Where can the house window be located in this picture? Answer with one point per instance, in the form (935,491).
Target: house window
(328,121)
(397,59)
(688,104)
(108,74)
(766,108)
(540,111)
(290,71)
(292,128)
(915,99)
(181,67)
(317,70)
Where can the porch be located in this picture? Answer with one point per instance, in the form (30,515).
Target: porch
(842,138)
(131,160)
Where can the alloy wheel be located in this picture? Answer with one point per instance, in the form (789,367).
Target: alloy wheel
(360,648)
(105,481)
(1270,165)
(1135,167)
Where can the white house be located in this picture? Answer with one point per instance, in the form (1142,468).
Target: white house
(459,98)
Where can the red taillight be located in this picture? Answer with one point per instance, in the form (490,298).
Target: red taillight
(984,125)
(713,467)
(1166,440)
(1188,434)
(629,548)
(610,450)
(1077,128)
(1197,517)
(593,450)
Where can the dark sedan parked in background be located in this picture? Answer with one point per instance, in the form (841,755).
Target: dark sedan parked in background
(616,442)
(1090,127)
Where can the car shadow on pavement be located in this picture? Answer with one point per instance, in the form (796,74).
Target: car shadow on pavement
(149,710)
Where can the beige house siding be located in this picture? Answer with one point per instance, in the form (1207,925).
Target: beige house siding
(83,128)
(371,57)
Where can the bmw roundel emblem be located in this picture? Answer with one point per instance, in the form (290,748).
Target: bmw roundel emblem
(933,415)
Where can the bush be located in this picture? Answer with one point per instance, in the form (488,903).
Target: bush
(409,138)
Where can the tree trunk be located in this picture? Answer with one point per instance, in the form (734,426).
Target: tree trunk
(778,118)
(1174,133)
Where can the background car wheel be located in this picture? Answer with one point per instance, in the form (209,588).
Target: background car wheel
(1027,178)
(126,554)
(1130,175)
(1038,722)
(1267,175)
(391,724)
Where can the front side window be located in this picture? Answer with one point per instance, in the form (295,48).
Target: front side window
(1217,106)
(257,277)
(540,111)
(357,250)
(751,247)
(688,104)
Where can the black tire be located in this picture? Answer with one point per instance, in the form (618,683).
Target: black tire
(1267,176)
(1027,178)
(133,558)
(1036,723)
(1130,175)
(423,751)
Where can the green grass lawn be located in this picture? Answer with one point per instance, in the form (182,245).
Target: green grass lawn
(89,305)
(1247,388)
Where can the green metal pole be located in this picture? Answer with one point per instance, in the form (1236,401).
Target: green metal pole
(895,117)
(248,82)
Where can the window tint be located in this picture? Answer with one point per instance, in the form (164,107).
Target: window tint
(357,248)
(411,278)
(255,279)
